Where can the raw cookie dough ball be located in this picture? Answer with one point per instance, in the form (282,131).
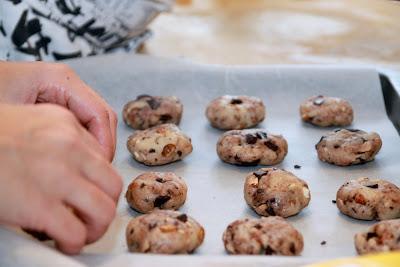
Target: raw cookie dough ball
(272,191)
(251,147)
(369,199)
(235,112)
(326,111)
(164,232)
(266,236)
(148,111)
(159,145)
(150,190)
(348,147)
(381,237)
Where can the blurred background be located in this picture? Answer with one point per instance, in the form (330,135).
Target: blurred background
(280,31)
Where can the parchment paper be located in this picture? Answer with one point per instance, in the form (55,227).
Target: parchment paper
(215,196)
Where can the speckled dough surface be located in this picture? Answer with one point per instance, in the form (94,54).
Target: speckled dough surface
(159,145)
(265,236)
(380,237)
(348,147)
(148,111)
(165,232)
(235,112)
(272,191)
(150,190)
(326,111)
(369,199)
(251,147)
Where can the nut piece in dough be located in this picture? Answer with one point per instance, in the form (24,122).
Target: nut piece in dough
(159,145)
(326,111)
(272,191)
(164,232)
(369,199)
(235,112)
(148,111)
(265,236)
(380,237)
(151,190)
(251,147)
(346,147)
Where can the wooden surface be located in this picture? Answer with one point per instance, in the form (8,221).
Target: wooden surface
(280,31)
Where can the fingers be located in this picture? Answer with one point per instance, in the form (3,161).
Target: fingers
(95,208)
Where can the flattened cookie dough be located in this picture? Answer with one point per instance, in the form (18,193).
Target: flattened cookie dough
(326,111)
(159,145)
(251,147)
(151,190)
(164,232)
(148,111)
(272,191)
(381,237)
(346,147)
(235,112)
(369,199)
(265,236)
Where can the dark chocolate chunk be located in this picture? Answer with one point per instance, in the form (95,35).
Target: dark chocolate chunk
(320,140)
(261,135)
(152,226)
(270,210)
(319,100)
(297,166)
(371,235)
(269,251)
(251,139)
(160,180)
(142,185)
(152,150)
(165,117)
(182,218)
(41,236)
(236,101)
(179,153)
(373,186)
(271,146)
(143,96)
(292,248)
(334,201)
(336,146)
(154,104)
(260,174)
(258,226)
(353,130)
(323,243)
(237,158)
(161,200)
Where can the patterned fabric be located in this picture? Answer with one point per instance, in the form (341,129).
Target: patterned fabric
(62,29)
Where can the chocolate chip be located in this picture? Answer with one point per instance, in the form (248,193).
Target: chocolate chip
(297,166)
(152,226)
(353,130)
(132,231)
(271,146)
(323,243)
(320,140)
(261,135)
(334,201)
(292,248)
(260,174)
(179,153)
(258,226)
(237,158)
(161,200)
(319,100)
(165,117)
(373,186)
(143,96)
(371,235)
(270,210)
(41,236)
(269,251)
(251,139)
(154,104)
(152,150)
(336,146)
(160,180)
(142,185)
(182,218)
(236,101)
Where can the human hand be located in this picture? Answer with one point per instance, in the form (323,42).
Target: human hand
(53,177)
(39,82)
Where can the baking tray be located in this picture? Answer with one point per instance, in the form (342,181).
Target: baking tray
(215,196)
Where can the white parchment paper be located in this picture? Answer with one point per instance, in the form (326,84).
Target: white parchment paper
(215,196)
